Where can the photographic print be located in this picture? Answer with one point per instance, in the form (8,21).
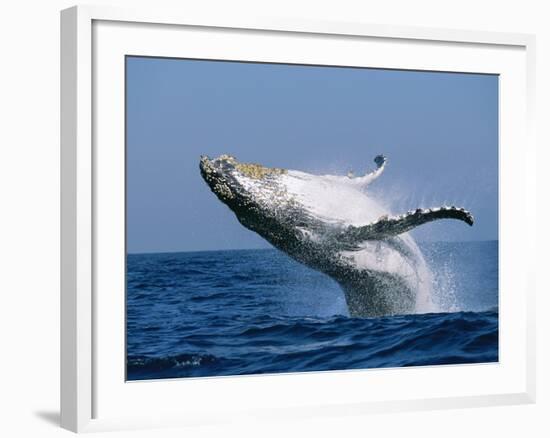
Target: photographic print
(298,218)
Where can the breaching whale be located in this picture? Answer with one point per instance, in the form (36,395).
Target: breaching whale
(331,224)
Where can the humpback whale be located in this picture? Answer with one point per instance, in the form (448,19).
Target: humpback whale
(331,224)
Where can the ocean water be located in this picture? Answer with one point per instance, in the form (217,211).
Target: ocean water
(218,313)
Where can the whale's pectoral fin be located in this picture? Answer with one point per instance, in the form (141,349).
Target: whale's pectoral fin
(365,180)
(394,225)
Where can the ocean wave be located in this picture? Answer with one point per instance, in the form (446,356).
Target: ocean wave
(330,344)
(255,312)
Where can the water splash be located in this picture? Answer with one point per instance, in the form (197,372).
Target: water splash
(444,289)
(436,282)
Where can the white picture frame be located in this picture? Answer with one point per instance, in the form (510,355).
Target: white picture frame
(92,394)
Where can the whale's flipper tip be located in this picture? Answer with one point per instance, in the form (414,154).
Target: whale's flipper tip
(467,216)
(365,180)
(452,213)
(380,160)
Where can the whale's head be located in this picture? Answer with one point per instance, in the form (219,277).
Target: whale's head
(240,185)
(256,194)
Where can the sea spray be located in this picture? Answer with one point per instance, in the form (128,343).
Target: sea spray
(436,281)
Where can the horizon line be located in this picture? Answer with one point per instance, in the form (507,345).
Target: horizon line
(273,248)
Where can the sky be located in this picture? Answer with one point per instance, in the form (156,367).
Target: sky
(438,130)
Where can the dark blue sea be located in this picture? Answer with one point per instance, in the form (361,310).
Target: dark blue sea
(218,313)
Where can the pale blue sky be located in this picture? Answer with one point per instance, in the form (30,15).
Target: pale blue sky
(438,130)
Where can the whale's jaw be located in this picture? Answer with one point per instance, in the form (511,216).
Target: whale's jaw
(377,264)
